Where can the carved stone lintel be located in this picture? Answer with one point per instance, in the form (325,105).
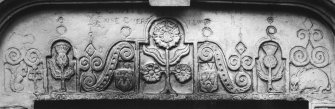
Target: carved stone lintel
(169,2)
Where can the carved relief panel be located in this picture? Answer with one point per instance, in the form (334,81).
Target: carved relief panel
(214,67)
(199,54)
(61,67)
(271,66)
(113,72)
(24,66)
(309,66)
(166,61)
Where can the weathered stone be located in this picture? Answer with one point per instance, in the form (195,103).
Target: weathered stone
(170,2)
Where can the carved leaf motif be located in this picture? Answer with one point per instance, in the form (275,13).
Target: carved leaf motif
(155,54)
(264,76)
(178,54)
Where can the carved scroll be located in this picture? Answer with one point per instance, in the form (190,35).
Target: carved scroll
(211,54)
(96,74)
(308,63)
(24,64)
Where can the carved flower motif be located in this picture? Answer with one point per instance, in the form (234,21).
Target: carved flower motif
(166,34)
(151,72)
(182,72)
(61,59)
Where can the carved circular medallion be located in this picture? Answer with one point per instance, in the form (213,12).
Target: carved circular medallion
(166,33)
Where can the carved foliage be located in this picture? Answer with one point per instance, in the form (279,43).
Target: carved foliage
(165,47)
(24,64)
(307,64)
(211,54)
(96,74)
(61,64)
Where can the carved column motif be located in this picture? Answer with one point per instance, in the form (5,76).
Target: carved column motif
(166,47)
(270,64)
(309,63)
(61,64)
(25,64)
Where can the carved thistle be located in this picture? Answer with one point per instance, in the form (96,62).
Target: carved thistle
(167,49)
(25,64)
(270,63)
(212,62)
(61,64)
(309,63)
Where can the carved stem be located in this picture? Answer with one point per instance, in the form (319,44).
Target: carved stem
(62,87)
(270,80)
(167,73)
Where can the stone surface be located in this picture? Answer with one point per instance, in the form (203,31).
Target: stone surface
(193,53)
(169,2)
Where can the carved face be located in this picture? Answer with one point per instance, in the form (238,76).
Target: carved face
(166,34)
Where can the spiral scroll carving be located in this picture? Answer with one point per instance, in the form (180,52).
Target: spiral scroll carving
(320,57)
(206,53)
(299,56)
(13,55)
(242,81)
(122,51)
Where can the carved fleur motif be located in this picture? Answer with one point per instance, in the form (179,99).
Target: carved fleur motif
(166,34)
(90,49)
(240,48)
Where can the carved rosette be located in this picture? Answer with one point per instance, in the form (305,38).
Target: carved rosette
(309,63)
(96,74)
(211,54)
(24,64)
(62,63)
